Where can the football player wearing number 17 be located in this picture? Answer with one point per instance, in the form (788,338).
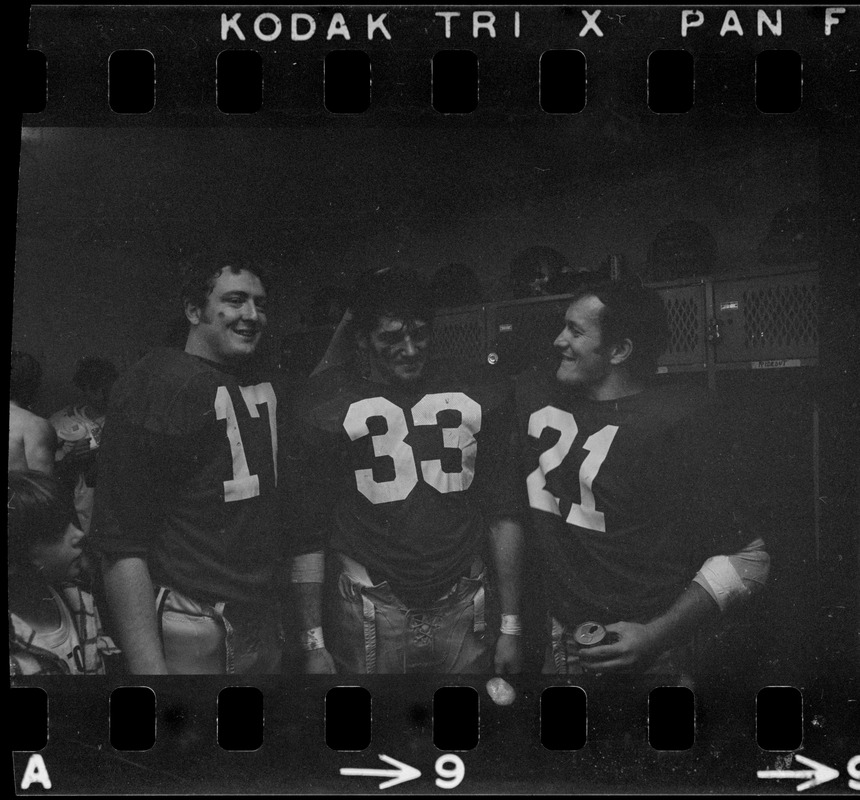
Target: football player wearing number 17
(187,508)
(406,479)
(637,497)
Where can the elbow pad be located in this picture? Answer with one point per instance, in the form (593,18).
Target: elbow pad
(308,568)
(729,579)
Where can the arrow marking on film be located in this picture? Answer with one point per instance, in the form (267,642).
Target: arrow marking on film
(401,774)
(817,775)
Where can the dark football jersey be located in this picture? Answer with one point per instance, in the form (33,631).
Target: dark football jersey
(188,466)
(405,479)
(627,496)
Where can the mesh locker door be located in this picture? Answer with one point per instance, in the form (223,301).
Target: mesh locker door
(459,334)
(766,318)
(685,308)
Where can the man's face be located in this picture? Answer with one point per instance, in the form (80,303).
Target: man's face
(229,326)
(585,362)
(398,349)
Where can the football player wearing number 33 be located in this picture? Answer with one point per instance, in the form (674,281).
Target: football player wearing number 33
(406,478)
(633,488)
(186,513)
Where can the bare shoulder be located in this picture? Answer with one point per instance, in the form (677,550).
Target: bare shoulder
(29,423)
(43,429)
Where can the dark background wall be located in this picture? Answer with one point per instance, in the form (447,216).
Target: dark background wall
(104,213)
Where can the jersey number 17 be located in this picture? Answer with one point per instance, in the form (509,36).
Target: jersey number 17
(243,484)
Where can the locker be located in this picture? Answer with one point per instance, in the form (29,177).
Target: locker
(767,318)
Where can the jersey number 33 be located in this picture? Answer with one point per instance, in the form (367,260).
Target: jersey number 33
(392,444)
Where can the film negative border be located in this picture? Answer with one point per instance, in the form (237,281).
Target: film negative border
(454,81)
(614,737)
(388,61)
(743,737)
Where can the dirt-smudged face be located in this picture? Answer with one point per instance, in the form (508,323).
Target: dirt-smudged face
(398,348)
(228,328)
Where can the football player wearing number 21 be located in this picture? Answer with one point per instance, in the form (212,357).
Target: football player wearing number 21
(639,504)
(406,482)
(187,511)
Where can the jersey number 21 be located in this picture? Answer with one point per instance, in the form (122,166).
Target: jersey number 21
(583,514)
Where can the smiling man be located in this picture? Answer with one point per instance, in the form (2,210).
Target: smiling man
(187,515)
(406,479)
(636,494)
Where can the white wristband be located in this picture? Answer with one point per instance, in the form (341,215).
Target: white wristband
(312,639)
(511,625)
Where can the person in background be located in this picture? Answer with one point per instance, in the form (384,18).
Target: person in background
(54,625)
(32,441)
(300,349)
(79,431)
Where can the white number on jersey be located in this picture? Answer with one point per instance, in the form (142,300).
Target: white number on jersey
(244,485)
(425,412)
(393,445)
(565,424)
(583,514)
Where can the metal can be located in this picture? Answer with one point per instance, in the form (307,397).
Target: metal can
(589,634)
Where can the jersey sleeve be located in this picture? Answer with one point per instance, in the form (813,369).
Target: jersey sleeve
(309,464)
(159,409)
(499,491)
(126,514)
(725,510)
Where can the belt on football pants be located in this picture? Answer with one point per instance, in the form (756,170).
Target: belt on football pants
(358,574)
(184,604)
(559,649)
